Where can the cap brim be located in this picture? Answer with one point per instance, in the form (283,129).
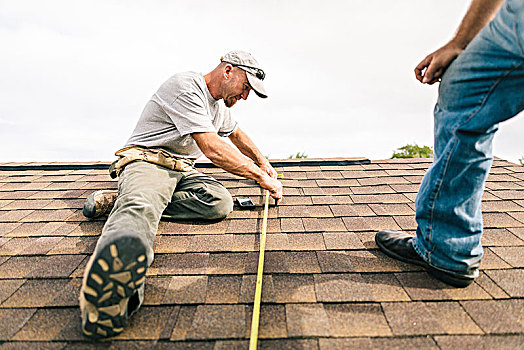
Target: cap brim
(257,85)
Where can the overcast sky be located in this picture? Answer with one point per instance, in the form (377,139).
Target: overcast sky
(74,76)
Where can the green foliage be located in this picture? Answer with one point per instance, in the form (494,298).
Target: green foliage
(521,160)
(413,151)
(299,155)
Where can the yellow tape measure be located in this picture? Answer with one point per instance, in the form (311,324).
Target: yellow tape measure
(258,291)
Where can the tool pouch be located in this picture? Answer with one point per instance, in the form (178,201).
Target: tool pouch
(156,156)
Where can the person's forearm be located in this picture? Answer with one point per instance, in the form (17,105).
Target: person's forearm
(245,145)
(479,14)
(226,157)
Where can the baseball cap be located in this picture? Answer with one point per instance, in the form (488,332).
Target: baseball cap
(246,62)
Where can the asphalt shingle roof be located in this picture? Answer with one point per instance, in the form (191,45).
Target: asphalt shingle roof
(326,285)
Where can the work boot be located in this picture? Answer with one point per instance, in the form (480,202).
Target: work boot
(113,277)
(99,203)
(398,245)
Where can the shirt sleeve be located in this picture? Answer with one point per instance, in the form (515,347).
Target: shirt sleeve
(189,114)
(229,125)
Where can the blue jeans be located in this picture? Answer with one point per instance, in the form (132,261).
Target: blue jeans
(481,88)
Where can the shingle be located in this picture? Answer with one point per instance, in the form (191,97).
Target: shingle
(453,342)
(272,321)
(332,224)
(331,200)
(6,228)
(56,266)
(28,229)
(291,225)
(227,263)
(482,313)
(182,264)
(59,324)
(375,261)
(141,327)
(351,210)
(155,290)
(183,323)
(518,231)
(356,320)
(26,204)
(274,262)
(379,198)
(294,289)
(511,281)
(336,191)
(295,200)
(41,293)
(91,228)
(166,227)
(277,242)
(338,182)
(500,206)
(384,287)
(335,261)
(452,317)
(372,190)
(247,289)
(12,320)
(74,245)
(306,241)
(421,286)
(519,215)
(273,226)
(383,180)
(288,344)
(19,266)
(171,244)
(500,237)
(512,255)
(357,174)
(209,322)
(312,225)
(186,290)
(305,320)
(210,228)
(242,226)
(491,261)
(342,240)
(15,245)
(210,243)
(499,220)
(302,262)
(341,287)
(508,194)
(373,223)
(490,287)
(377,343)
(392,209)
(223,289)
(411,318)
(8,287)
(14,215)
(17,194)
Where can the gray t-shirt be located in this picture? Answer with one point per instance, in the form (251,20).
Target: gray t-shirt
(181,106)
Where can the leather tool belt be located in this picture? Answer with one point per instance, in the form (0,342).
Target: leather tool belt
(156,156)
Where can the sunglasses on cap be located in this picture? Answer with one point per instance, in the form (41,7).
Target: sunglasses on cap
(259,74)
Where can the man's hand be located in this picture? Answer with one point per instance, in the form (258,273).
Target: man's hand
(273,186)
(436,63)
(268,169)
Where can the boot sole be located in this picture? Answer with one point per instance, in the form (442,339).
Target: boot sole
(114,275)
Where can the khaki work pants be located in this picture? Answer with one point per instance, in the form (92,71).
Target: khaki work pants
(147,192)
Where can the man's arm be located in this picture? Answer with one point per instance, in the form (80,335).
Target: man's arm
(479,14)
(248,148)
(229,159)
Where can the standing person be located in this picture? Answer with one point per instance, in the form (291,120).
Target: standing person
(482,84)
(181,121)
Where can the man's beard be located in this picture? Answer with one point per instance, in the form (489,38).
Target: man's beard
(230,102)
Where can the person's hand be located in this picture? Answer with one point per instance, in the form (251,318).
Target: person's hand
(436,63)
(273,186)
(268,169)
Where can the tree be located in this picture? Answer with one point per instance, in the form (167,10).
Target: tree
(521,160)
(298,155)
(413,151)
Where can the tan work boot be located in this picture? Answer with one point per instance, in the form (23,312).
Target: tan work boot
(112,279)
(99,203)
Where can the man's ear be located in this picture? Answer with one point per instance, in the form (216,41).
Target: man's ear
(227,71)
